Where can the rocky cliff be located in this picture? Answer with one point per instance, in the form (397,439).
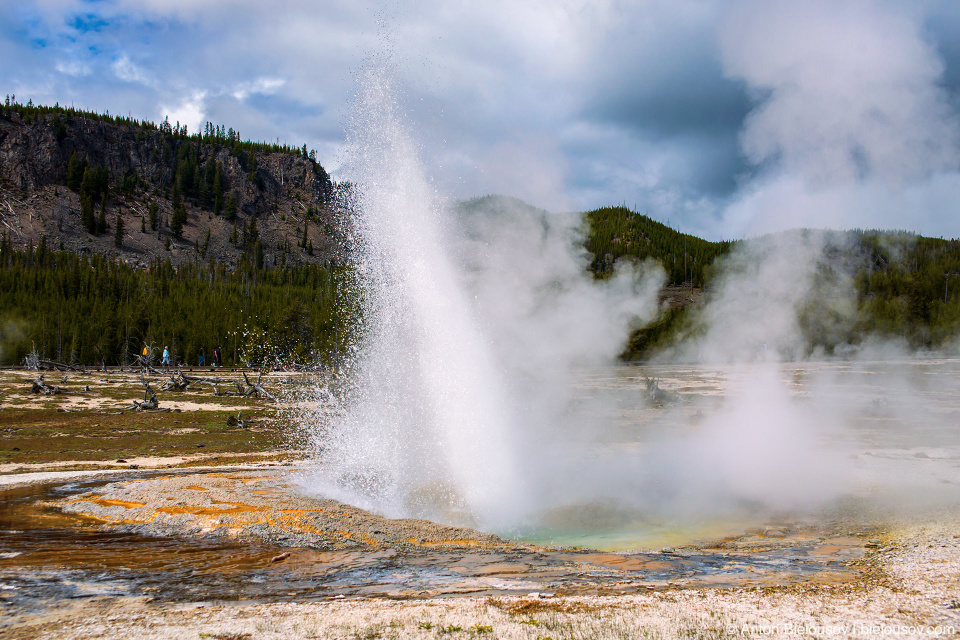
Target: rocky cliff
(269,203)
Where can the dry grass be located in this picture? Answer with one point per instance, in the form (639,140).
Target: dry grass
(85,429)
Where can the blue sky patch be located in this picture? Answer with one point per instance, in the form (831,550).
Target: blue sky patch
(88,22)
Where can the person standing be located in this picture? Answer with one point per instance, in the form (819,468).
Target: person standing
(166,357)
(200,358)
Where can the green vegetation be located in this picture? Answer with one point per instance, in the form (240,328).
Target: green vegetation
(660,334)
(89,310)
(616,233)
(58,118)
(186,169)
(891,285)
(92,310)
(39,435)
(908,286)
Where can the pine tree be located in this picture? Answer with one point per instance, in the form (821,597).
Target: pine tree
(217,189)
(176,198)
(154,210)
(75,168)
(230,210)
(88,218)
(258,254)
(179,217)
(88,184)
(118,232)
(102,221)
(59,129)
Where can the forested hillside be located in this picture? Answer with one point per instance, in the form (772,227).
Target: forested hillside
(909,287)
(118,232)
(617,233)
(875,285)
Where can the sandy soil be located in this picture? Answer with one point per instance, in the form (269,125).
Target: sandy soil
(17,471)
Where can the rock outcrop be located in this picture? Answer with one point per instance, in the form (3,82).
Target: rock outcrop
(282,194)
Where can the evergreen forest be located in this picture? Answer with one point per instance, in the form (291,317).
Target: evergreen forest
(94,310)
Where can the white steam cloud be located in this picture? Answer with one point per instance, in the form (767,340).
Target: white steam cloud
(850,124)
(850,90)
(481,322)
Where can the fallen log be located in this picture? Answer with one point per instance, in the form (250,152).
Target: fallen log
(177,383)
(150,401)
(256,388)
(51,365)
(210,381)
(39,386)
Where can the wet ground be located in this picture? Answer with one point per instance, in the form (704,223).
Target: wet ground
(227,533)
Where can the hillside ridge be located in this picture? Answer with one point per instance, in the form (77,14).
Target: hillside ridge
(229,193)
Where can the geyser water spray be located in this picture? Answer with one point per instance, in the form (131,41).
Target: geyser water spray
(456,405)
(424,431)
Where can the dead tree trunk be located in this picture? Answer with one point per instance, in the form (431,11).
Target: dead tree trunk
(39,386)
(176,382)
(150,402)
(256,388)
(50,365)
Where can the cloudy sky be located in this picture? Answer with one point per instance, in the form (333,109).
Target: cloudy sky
(723,118)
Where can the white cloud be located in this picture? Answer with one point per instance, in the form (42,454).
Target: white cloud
(263,86)
(852,90)
(127,71)
(852,118)
(189,112)
(611,101)
(73,68)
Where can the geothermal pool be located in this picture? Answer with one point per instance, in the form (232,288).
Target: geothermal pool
(709,450)
(643,457)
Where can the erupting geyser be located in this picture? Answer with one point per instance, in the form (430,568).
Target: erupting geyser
(426,431)
(465,346)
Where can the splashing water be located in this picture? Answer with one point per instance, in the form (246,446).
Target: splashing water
(426,432)
(471,325)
